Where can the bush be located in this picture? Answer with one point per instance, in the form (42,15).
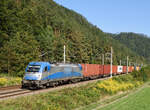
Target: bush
(8,81)
(3,81)
(15,81)
(125,78)
(112,86)
(142,75)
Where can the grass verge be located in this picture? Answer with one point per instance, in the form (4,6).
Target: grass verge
(136,101)
(107,102)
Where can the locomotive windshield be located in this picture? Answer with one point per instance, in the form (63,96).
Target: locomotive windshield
(33,68)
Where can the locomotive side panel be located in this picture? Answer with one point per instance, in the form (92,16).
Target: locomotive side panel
(60,72)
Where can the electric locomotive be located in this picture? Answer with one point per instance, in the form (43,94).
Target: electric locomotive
(43,74)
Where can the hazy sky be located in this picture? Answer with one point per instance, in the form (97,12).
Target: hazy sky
(114,15)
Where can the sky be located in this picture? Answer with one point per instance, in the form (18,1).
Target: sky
(114,16)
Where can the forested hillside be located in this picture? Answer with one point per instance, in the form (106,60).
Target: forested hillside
(138,43)
(31,28)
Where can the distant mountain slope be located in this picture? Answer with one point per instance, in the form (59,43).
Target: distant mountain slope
(35,30)
(138,43)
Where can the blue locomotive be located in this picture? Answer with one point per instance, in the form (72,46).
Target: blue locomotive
(43,74)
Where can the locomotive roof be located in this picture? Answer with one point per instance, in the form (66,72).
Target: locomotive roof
(38,63)
(52,64)
(64,64)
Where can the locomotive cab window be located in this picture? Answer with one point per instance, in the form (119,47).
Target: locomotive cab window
(33,68)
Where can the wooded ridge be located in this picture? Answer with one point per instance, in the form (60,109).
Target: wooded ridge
(30,28)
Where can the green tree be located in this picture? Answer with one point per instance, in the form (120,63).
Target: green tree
(18,52)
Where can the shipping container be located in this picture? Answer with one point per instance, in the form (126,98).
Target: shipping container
(106,69)
(90,70)
(114,69)
(101,69)
(124,69)
(134,67)
(119,69)
(137,68)
(130,69)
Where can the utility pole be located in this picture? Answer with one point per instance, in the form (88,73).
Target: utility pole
(64,54)
(127,64)
(120,62)
(102,59)
(111,64)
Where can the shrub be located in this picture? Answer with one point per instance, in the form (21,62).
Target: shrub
(3,81)
(112,86)
(15,81)
(8,81)
(142,75)
(125,78)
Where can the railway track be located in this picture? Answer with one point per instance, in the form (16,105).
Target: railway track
(10,87)
(11,91)
(16,91)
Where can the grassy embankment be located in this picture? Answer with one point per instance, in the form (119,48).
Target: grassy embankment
(71,98)
(138,101)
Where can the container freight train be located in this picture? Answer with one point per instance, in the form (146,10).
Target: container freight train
(44,74)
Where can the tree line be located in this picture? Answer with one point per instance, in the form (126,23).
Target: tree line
(31,28)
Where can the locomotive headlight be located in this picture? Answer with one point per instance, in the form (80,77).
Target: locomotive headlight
(39,76)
